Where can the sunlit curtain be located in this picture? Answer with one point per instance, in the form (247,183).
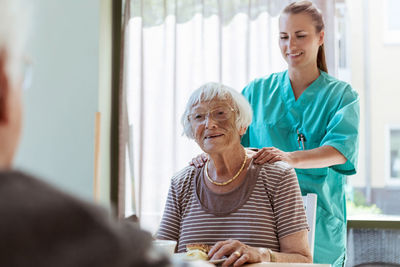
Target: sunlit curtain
(174,47)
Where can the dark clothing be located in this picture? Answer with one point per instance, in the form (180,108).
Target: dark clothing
(42,226)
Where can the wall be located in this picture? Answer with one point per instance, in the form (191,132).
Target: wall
(384,90)
(58,138)
(357,79)
(383,82)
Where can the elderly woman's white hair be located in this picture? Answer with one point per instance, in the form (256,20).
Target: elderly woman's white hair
(215,91)
(13,26)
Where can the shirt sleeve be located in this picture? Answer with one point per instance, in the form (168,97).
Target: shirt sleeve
(171,220)
(288,205)
(342,131)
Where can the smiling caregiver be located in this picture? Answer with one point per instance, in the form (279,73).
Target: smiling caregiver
(314,118)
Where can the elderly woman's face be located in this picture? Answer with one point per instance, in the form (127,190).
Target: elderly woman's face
(213,125)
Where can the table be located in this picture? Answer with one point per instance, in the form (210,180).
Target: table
(178,258)
(261,264)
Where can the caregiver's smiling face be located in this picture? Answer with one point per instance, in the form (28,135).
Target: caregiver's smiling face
(299,40)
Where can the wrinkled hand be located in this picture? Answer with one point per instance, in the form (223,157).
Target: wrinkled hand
(271,155)
(236,252)
(199,161)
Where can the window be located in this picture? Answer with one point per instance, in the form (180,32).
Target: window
(393,155)
(391,21)
(342,42)
(168,58)
(375,189)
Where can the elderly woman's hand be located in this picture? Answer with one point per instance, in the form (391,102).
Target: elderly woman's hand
(271,155)
(237,253)
(199,161)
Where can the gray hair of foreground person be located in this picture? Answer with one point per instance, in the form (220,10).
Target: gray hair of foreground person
(216,91)
(14,17)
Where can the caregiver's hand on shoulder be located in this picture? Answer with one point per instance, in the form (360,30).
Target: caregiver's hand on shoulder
(237,253)
(199,161)
(271,155)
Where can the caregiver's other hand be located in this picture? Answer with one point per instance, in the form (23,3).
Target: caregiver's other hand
(199,161)
(237,253)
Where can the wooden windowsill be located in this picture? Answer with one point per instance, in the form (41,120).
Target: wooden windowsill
(370,221)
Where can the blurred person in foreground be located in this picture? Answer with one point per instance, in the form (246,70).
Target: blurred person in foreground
(249,213)
(39,225)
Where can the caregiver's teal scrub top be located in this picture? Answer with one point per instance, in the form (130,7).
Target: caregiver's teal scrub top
(326,113)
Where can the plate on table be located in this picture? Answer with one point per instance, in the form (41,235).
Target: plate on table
(183,257)
(217,261)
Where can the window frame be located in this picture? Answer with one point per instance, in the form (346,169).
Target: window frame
(390,37)
(390,181)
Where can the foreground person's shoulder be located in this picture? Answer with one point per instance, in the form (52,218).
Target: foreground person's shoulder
(38,218)
(18,186)
(44,204)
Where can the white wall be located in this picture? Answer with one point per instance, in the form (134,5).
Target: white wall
(384,86)
(385,93)
(357,79)
(58,138)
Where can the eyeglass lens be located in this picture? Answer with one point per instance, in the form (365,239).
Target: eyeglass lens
(218,114)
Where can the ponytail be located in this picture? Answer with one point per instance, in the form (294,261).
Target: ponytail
(321,62)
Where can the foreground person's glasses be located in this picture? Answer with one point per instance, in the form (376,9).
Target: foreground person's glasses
(27,74)
(217,114)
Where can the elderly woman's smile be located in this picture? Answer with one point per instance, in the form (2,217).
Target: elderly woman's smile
(210,136)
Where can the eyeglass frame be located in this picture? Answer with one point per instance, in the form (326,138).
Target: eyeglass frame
(27,73)
(233,110)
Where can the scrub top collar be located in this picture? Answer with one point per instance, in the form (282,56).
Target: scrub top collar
(308,94)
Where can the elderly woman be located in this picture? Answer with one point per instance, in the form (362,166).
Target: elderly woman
(247,212)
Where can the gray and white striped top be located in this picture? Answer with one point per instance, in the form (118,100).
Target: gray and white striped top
(265,207)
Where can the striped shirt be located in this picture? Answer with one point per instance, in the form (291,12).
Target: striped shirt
(265,207)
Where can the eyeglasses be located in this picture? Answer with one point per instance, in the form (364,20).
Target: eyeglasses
(217,114)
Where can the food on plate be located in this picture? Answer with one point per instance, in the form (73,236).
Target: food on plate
(197,251)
